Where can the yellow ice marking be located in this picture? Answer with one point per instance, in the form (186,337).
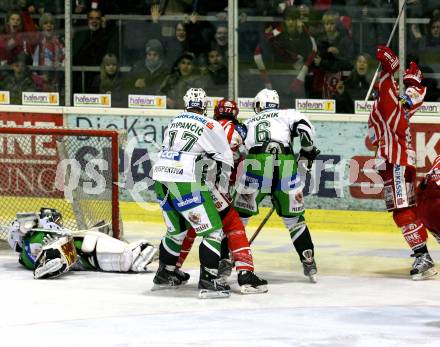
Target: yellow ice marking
(324,220)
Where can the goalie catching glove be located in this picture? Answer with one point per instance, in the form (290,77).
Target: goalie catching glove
(57,256)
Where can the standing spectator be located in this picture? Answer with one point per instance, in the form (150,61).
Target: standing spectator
(110,81)
(133,46)
(178,44)
(49,50)
(355,87)
(13,40)
(288,48)
(90,44)
(150,72)
(217,72)
(335,50)
(19,80)
(433,36)
(183,77)
(221,40)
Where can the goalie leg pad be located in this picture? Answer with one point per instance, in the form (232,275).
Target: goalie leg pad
(111,254)
(143,253)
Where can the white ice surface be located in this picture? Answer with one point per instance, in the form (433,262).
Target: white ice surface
(107,309)
(363,298)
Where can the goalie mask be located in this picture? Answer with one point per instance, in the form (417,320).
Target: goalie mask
(52,215)
(195,98)
(266,99)
(226,109)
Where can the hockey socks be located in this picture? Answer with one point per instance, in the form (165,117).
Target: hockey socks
(413,230)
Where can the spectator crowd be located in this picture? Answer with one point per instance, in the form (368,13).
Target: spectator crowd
(304,49)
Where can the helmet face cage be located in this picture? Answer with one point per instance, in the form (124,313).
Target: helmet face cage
(52,215)
(226,109)
(195,98)
(266,99)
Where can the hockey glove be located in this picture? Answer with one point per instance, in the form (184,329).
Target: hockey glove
(310,156)
(241,130)
(390,61)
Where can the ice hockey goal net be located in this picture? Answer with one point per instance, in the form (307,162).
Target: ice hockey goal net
(71,170)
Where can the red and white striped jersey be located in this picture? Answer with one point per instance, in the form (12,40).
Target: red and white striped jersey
(434,173)
(234,138)
(388,124)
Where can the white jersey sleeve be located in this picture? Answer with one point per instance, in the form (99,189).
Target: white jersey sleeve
(188,137)
(279,126)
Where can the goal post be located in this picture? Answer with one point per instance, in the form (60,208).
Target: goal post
(75,171)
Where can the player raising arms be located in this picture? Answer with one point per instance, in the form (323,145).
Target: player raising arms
(184,196)
(271,169)
(389,130)
(235,240)
(51,250)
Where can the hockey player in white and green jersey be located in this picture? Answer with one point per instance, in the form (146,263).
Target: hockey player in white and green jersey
(271,168)
(191,143)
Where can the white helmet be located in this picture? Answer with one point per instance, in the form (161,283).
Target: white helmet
(195,98)
(266,99)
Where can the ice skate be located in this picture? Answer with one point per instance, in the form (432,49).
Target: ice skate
(181,275)
(165,279)
(211,287)
(309,265)
(423,267)
(250,283)
(224,270)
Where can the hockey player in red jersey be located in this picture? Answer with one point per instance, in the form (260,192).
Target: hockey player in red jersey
(389,130)
(428,200)
(235,235)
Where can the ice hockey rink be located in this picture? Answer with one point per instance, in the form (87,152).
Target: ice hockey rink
(363,297)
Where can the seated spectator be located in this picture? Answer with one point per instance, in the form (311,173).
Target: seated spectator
(13,40)
(49,50)
(289,47)
(183,76)
(19,80)
(109,81)
(355,87)
(148,74)
(217,71)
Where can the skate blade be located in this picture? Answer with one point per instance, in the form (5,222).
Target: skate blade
(248,289)
(424,275)
(313,279)
(214,294)
(157,287)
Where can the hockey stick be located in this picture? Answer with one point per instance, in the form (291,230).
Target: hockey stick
(388,43)
(263,222)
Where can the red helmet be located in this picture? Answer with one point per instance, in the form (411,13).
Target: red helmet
(413,76)
(226,109)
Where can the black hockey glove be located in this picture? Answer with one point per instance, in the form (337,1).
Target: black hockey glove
(310,156)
